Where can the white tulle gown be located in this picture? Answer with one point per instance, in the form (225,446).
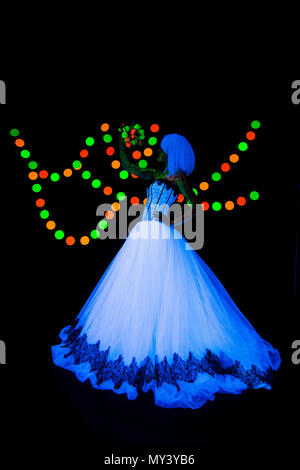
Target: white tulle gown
(160,320)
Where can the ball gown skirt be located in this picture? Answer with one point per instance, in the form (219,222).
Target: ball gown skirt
(160,320)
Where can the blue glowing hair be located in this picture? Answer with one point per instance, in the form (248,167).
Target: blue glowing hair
(181,157)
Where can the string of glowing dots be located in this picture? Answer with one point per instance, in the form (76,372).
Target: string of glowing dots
(96,183)
(225,168)
(34,175)
(77,165)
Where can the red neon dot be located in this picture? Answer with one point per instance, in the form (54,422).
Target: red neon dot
(154,128)
(84,153)
(225,167)
(241,201)
(40,202)
(43,174)
(180,198)
(70,241)
(251,135)
(107,190)
(110,151)
(134,176)
(20,143)
(205,205)
(109,215)
(136,155)
(134,200)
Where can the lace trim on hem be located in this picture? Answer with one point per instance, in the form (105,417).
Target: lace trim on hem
(160,371)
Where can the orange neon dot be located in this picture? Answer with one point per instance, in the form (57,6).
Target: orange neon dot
(229,205)
(134,176)
(251,135)
(136,155)
(234,158)
(84,240)
(51,225)
(20,143)
(134,200)
(84,153)
(241,201)
(70,241)
(43,174)
(205,205)
(115,206)
(180,198)
(225,167)
(154,128)
(107,190)
(40,202)
(148,152)
(109,215)
(110,151)
(33,175)
(105,127)
(116,164)
(204,186)
(145,201)
(68,172)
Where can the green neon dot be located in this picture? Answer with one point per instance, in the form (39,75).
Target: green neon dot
(217,206)
(255,124)
(25,154)
(254,195)
(216,176)
(76,164)
(90,141)
(44,214)
(96,184)
(14,132)
(55,177)
(107,138)
(124,174)
(152,141)
(143,164)
(86,175)
(32,165)
(59,234)
(103,224)
(95,234)
(36,188)
(120,196)
(195,191)
(243,146)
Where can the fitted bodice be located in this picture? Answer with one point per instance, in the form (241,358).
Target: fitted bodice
(160,196)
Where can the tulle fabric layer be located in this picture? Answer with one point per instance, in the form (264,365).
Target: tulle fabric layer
(157,298)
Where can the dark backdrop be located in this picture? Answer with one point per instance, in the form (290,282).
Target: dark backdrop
(251,250)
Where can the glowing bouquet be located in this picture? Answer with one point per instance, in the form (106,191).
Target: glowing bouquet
(132,135)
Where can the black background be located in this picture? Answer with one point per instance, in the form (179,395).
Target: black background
(252,250)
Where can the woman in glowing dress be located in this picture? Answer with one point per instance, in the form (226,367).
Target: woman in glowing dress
(159,319)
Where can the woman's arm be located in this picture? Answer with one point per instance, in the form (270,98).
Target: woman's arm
(146,173)
(186,191)
(189,196)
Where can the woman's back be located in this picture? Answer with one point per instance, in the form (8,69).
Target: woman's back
(161,194)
